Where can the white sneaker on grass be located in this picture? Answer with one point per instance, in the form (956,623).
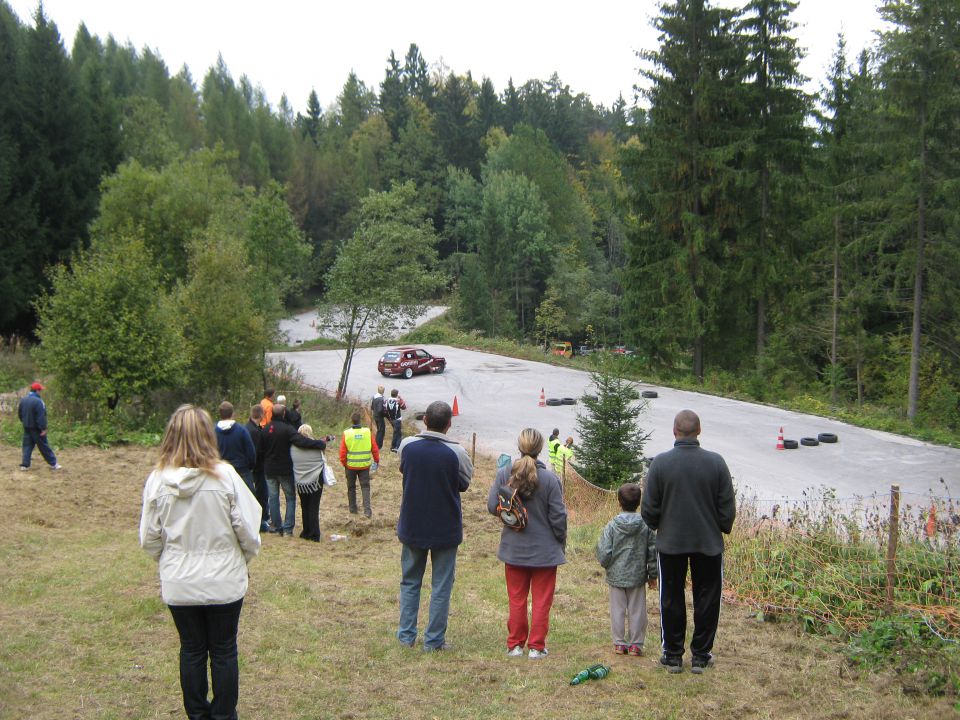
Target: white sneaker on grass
(515,651)
(535,654)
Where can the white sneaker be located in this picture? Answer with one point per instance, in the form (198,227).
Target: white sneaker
(515,651)
(537,654)
(58,466)
(24,468)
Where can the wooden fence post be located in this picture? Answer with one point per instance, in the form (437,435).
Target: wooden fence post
(893,536)
(473,449)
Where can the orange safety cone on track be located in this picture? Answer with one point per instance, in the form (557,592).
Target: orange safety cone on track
(543,399)
(456,408)
(932,522)
(780,439)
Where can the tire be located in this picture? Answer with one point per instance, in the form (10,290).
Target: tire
(809,441)
(649,394)
(441,368)
(568,401)
(419,415)
(790,445)
(408,373)
(827,437)
(553,402)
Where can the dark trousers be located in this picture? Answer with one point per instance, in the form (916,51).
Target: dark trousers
(363,477)
(31,438)
(310,513)
(209,631)
(381,430)
(261,493)
(397,434)
(706,575)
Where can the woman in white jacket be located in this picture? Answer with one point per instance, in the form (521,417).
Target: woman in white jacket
(202,524)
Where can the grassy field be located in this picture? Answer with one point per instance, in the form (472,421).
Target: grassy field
(85,634)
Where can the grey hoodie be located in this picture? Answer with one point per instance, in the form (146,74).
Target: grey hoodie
(627,549)
(202,528)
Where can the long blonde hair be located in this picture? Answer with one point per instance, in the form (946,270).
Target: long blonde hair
(189,440)
(523,474)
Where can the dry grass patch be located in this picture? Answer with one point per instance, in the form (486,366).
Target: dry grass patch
(85,635)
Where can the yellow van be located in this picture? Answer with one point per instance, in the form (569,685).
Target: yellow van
(563,349)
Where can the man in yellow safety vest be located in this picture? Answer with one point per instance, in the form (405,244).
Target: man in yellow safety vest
(553,444)
(563,456)
(358,451)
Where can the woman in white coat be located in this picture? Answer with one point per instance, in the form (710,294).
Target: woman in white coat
(202,524)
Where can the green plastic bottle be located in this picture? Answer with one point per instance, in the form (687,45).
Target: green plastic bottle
(581,677)
(599,672)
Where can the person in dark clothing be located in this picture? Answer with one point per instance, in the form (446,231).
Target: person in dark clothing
(377,412)
(293,414)
(393,409)
(278,436)
(689,501)
(33,416)
(435,471)
(259,479)
(235,445)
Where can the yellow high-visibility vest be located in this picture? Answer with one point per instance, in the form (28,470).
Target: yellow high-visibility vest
(359,447)
(553,445)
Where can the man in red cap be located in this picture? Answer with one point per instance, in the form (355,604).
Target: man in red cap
(33,416)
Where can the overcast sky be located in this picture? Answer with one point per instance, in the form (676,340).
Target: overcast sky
(291,46)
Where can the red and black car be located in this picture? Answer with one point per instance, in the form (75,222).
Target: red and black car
(409,361)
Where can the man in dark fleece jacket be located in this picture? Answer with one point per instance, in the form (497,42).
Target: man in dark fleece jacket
(235,445)
(278,436)
(435,471)
(689,501)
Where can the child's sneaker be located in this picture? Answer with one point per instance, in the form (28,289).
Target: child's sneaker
(620,649)
(516,651)
(535,654)
(635,650)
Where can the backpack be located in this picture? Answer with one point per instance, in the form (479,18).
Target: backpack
(510,509)
(376,407)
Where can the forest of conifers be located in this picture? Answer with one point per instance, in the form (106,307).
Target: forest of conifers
(726,222)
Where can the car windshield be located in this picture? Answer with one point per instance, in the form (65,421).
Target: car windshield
(391,356)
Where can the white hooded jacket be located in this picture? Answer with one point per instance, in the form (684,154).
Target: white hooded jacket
(203,528)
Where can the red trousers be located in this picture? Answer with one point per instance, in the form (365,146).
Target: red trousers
(539,584)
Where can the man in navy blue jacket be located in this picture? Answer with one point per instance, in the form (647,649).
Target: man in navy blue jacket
(33,415)
(435,471)
(236,445)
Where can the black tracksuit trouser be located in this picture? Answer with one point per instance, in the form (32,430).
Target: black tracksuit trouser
(706,575)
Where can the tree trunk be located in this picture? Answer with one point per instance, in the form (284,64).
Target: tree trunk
(836,309)
(698,357)
(761,270)
(913,390)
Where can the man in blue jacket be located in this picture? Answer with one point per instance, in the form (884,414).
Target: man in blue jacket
(33,415)
(435,471)
(235,445)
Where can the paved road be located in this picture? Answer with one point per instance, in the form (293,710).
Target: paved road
(499,396)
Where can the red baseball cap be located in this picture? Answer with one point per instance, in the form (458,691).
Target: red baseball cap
(37,386)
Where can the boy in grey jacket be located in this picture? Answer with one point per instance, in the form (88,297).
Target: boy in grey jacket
(627,550)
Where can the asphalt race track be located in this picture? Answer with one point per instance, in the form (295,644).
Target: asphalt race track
(498,396)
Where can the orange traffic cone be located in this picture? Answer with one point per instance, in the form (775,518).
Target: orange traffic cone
(456,408)
(543,399)
(932,522)
(780,439)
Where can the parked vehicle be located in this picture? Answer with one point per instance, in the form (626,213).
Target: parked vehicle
(563,348)
(409,361)
(584,350)
(623,350)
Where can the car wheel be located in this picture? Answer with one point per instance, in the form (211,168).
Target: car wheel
(441,368)
(827,437)
(809,441)
(649,394)
(790,445)
(554,402)
(419,415)
(568,401)
(408,373)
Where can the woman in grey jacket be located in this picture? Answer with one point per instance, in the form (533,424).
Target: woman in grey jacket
(531,556)
(202,524)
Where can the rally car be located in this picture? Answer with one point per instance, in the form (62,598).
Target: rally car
(409,361)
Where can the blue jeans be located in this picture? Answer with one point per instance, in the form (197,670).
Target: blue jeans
(247,477)
(31,438)
(208,631)
(274,483)
(413,563)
